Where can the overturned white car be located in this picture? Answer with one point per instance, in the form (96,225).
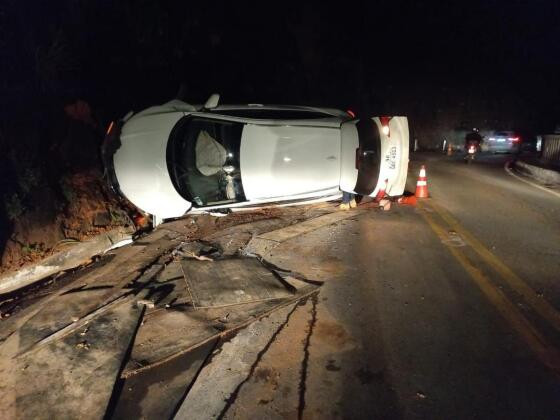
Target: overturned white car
(175,158)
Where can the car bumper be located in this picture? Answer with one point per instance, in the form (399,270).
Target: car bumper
(497,147)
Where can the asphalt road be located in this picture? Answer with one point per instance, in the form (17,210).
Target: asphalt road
(445,310)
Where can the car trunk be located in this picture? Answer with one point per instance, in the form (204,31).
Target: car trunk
(372,156)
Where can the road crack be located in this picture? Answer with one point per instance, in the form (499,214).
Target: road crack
(305,361)
(231,399)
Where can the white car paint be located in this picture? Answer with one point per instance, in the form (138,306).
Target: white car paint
(394,156)
(141,166)
(281,160)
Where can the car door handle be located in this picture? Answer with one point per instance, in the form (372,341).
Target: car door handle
(331,158)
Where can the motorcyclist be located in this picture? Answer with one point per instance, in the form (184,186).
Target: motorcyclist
(473,138)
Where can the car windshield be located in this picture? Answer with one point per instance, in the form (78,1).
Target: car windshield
(203,161)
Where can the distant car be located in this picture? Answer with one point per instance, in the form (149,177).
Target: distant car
(175,158)
(503,142)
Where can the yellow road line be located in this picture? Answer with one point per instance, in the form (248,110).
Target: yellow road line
(539,304)
(546,353)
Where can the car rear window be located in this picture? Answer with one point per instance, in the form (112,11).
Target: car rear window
(368,156)
(272,114)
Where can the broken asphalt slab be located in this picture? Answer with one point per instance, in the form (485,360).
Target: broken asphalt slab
(90,291)
(73,257)
(87,353)
(72,377)
(129,261)
(157,393)
(233,281)
(188,314)
(217,383)
(220,297)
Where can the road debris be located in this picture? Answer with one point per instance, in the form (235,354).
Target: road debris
(146,302)
(197,257)
(167,294)
(408,200)
(385,204)
(223,296)
(83,345)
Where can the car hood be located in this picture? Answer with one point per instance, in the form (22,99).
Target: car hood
(141,165)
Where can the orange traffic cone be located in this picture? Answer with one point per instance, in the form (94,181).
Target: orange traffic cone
(381,193)
(422,184)
(449,150)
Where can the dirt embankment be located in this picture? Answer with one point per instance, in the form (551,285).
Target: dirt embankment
(53,192)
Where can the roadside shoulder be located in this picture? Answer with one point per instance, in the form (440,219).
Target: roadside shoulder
(541,174)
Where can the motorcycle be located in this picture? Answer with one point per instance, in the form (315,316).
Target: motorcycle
(472,148)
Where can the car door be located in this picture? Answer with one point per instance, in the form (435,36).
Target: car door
(374,155)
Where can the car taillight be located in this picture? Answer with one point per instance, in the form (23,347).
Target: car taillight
(351,113)
(385,125)
(513,139)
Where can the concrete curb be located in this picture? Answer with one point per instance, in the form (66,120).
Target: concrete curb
(545,176)
(63,260)
(263,243)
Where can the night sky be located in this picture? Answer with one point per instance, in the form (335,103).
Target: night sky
(488,62)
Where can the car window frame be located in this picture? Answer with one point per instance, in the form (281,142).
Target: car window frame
(175,132)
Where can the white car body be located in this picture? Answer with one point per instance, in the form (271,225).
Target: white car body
(287,154)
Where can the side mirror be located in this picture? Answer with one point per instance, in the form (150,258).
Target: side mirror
(212,101)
